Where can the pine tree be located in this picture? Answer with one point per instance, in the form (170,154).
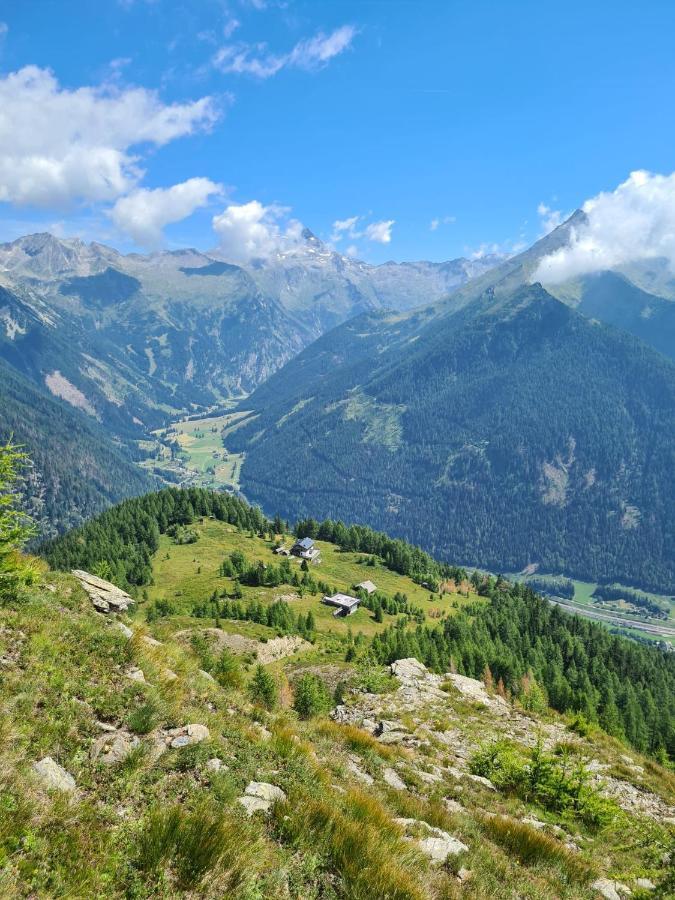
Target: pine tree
(263,688)
(15,528)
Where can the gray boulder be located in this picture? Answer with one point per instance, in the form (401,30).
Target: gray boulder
(112,748)
(437,844)
(53,776)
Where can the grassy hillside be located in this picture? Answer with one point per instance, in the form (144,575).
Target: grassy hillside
(356,818)
(186,575)
(510,632)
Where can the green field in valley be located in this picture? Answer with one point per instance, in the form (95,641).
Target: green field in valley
(617,614)
(191,452)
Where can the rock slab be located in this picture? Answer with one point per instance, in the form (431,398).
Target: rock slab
(259,796)
(105,596)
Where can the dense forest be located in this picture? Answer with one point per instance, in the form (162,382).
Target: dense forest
(121,541)
(513,432)
(75,469)
(521,643)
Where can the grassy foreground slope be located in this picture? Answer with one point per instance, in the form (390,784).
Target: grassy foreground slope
(143,819)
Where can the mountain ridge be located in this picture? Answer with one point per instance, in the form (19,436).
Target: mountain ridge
(524,422)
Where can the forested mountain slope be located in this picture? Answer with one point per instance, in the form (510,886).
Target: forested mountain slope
(514,431)
(76,470)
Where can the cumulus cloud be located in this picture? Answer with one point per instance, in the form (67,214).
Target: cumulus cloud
(345,228)
(310,54)
(143,214)
(634,222)
(58,146)
(251,230)
(380,231)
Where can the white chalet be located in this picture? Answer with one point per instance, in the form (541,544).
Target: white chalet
(305,549)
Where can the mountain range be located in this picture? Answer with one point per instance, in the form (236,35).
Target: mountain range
(499,424)
(455,404)
(132,339)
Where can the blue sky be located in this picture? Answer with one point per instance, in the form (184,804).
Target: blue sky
(393,114)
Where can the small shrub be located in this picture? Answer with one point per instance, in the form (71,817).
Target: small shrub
(580,725)
(263,688)
(143,719)
(373,677)
(501,763)
(559,781)
(311,697)
(227,670)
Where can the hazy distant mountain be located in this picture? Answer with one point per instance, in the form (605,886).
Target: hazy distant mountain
(131,339)
(509,431)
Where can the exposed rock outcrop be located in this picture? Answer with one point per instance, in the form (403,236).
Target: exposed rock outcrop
(105,596)
(113,747)
(259,796)
(437,844)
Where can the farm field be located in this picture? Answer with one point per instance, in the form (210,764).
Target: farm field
(201,460)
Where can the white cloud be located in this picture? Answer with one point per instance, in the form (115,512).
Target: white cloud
(230,27)
(251,230)
(58,146)
(4,28)
(441,220)
(345,228)
(144,213)
(549,218)
(310,54)
(636,221)
(505,250)
(380,231)
(321,48)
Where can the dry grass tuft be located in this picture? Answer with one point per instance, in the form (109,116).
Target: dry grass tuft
(532,847)
(356,739)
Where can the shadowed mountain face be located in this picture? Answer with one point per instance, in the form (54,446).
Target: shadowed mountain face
(612,298)
(75,469)
(133,339)
(510,431)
